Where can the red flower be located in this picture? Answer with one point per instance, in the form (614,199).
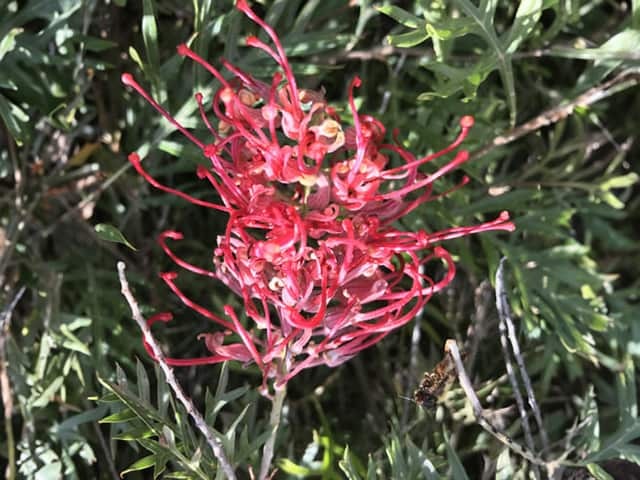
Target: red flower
(310,244)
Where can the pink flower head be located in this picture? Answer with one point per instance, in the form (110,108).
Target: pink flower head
(310,244)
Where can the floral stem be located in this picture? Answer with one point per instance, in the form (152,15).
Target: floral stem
(274,422)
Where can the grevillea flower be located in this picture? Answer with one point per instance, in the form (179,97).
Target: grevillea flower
(310,243)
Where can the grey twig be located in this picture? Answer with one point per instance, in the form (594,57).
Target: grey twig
(515,385)
(5,384)
(451,348)
(504,312)
(416,334)
(201,424)
(274,423)
(626,79)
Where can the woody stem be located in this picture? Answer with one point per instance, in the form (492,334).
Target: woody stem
(274,422)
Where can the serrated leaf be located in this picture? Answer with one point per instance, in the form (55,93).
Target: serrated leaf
(484,19)
(145,413)
(176,455)
(112,234)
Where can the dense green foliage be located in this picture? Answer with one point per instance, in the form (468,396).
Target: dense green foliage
(87,400)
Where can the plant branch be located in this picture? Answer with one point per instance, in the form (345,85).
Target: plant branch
(451,348)
(506,353)
(506,326)
(624,80)
(214,443)
(5,385)
(274,422)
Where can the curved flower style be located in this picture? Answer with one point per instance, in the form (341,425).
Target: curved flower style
(310,244)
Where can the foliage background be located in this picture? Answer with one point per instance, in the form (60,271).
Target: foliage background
(573,263)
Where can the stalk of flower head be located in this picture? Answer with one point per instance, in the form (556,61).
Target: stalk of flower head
(310,244)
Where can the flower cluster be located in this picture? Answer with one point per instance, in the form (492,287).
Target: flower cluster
(310,244)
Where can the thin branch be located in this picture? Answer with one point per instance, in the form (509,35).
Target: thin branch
(622,81)
(274,422)
(91,197)
(451,348)
(515,385)
(106,451)
(5,384)
(504,312)
(416,334)
(201,424)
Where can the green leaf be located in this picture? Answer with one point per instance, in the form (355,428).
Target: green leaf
(8,43)
(619,444)
(134,433)
(408,39)
(141,464)
(147,414)
(622,181)
(626,391)
(143,382)
(94,44)
(112,234)
(401,16)
(598,472)
(484,19)
(457,470)
(292,468)
(150,37)
(72,342)
(504,468)
(347,466)
(610,199)
(9,114)
(590,433)
(124,415)
(135,56)
(47,395)
(527,17)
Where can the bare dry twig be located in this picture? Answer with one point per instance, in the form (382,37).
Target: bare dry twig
(274,422)
(507,329)
(551,466)
(626,79)
(5,385)
(201,424)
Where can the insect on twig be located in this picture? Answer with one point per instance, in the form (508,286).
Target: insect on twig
(435,383)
